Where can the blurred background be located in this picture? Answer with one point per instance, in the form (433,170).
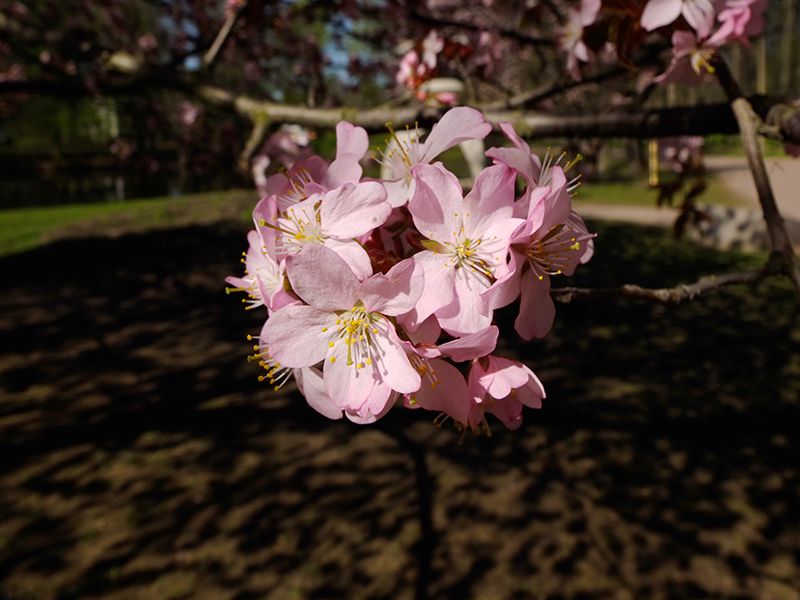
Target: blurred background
(140,457)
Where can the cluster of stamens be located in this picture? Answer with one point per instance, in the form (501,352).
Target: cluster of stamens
(276,374)
(399,156)
(356,329)
(550,161)
(298,227)
(296,190)
(549,255)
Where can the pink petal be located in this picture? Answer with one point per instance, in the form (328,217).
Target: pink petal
(471,346)
(349,387)
(392,362)
(506,288)
(658,13)
(437,205)
(536,308)
(353,210)
(363,416)
(456,125)
(351,145)
(503,375)
(700,16)
(447,393)
(322,279)
(311,385)
(589,10)
(554,207)
(395,293)
(399,192)
(490,200)
(439,289)
(469,312)
(295,336)
(508,411)
(351,252)
(519,160)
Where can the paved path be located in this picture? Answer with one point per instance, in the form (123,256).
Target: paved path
(644,215)
(784,173)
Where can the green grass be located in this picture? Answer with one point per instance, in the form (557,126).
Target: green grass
(23,229)
(26,228)
(637,193)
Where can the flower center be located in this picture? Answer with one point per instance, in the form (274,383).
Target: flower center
(356,328)
(550,254)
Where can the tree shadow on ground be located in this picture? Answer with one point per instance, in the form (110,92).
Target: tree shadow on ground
(139,457)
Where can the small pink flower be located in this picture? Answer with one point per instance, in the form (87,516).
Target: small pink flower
(313,175)
(571,36)
(502,387)
(264,279)
(740,20)
(691,58)
(467,239)
(456,125)
(346,324)
(333,219)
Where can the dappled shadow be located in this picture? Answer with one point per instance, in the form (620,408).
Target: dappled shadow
(139,457)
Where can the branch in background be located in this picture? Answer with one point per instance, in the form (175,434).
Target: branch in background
(222,37)
(435,21)
(783,121)
(674,295)
(749,124)
(544,92)
(253,142)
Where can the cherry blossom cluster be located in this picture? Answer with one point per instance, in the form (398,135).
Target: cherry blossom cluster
(424,61)
(696,29)
(381,293)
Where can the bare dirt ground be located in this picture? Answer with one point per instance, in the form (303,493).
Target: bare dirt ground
(139,457)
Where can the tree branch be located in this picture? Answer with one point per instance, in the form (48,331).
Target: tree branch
(435,21)
(674,295)
(548,90)
(782,120)
(749,124)
(222,37)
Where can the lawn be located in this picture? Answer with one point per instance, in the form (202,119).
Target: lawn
(23,229)
(27,228)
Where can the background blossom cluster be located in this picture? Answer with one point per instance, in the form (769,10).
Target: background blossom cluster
(695,30)
(381,293)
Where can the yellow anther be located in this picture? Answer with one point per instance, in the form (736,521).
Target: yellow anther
(330,344)
(333,359)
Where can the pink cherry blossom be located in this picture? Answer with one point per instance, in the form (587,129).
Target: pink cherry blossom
(571,35)
(698,13)
(456,125)
(264,278)
(502,387)
(691,58)
(346,324)
(740,20)
(552,241)
(333,219)
(313,175)
(467,239)
(443,388)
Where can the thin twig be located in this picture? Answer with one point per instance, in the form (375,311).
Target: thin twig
(673,295)
(222,36)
